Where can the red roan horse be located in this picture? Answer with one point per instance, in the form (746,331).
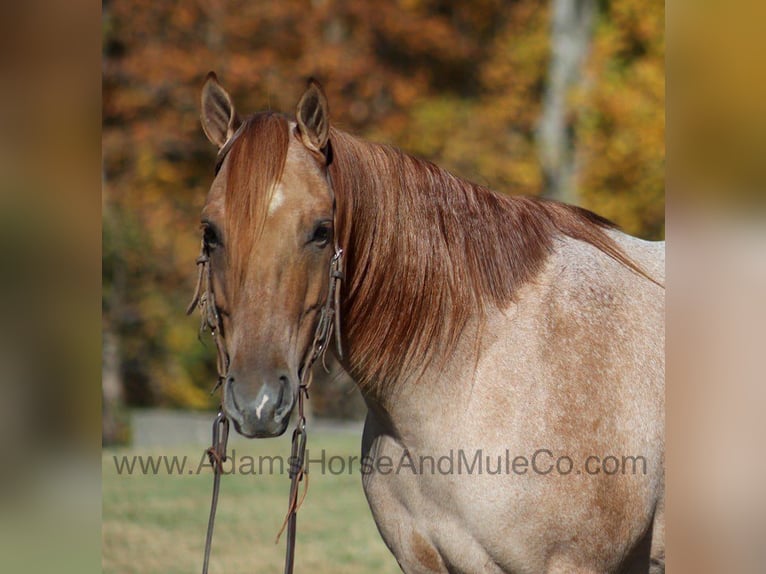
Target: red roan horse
(521,339)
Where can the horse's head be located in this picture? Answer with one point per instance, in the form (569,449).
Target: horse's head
(268,230)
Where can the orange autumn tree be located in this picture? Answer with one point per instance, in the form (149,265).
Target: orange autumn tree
(621,120)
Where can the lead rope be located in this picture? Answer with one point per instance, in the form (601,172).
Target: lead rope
(329,321)
(210,319)
(217,455)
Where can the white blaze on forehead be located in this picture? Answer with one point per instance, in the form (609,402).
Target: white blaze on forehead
(277,198)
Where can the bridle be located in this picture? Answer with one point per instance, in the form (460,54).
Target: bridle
(329,323)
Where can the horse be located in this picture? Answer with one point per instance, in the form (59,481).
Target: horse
(509,349)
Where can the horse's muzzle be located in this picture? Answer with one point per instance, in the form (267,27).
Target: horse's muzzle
(263,414)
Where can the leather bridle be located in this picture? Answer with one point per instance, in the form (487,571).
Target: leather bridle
(329,322)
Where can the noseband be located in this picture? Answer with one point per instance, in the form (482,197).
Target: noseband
(329,322)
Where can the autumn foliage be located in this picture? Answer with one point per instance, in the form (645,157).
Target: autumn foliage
(460,83)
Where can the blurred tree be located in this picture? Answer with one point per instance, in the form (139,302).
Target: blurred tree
(621,121)
(571,30)
(459,83)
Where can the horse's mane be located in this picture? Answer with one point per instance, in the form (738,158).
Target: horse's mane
(425,251)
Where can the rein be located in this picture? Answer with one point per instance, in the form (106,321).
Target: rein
(329,322)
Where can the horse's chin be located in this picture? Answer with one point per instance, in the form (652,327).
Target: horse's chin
(278,430)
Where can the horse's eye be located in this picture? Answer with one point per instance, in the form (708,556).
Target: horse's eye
(322,234)
(210,237)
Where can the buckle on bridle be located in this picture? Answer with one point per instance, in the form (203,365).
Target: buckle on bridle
(298,450)
(217,452)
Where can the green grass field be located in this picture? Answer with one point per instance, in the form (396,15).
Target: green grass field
(156,522)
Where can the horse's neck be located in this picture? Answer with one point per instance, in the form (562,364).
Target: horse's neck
(423,408)
(422,276)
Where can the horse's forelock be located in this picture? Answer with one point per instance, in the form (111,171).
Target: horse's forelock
(255,163)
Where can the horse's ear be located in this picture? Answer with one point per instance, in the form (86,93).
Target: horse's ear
(313,115)
(219,118)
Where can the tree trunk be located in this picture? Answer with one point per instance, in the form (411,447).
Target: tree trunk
(571,32)
(113,428)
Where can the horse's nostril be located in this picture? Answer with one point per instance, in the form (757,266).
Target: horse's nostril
(285,401)
(230,406)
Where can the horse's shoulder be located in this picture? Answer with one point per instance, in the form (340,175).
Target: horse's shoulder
(584,297)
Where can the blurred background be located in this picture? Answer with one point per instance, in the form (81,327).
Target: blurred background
(562,98)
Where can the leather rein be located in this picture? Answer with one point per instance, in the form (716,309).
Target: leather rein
(329,323)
